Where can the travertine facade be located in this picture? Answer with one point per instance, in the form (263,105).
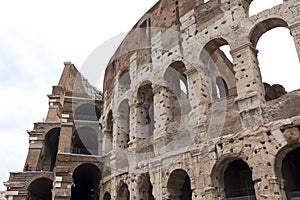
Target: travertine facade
(177,119)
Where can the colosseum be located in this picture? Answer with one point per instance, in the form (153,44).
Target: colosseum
(177,119)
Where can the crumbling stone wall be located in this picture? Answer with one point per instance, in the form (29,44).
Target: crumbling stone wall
(176,114)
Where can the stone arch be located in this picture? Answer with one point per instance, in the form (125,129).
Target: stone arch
(215,63)
(287,165)
(275,85)
(87,112)
(145,110)
(221,89)
(107,196)
(145,187)
(179,185)
(40,188)
(232,177)
(123,122)
(85,141)
(177,91)
(86,179)
(264,26)
(50,149)
(176,79)
(123,192)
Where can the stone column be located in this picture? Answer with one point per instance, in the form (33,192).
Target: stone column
(163,114)
(62,183)
(249,85)
(266,184)
(295,32)
(198,102)
(107,141)
(65,138)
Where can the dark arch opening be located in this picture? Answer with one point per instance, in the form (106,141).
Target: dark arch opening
(217,62)
(238,181)
(145,187)
(87,112)
(123,192)
(179,185)
(291,173)
(40,189)
(106,196)
(85,141)
(51,148)
(86,179)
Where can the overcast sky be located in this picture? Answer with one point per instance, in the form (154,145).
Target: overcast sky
(36,37)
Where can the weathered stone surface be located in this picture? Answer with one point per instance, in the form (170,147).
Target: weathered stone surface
(177,118)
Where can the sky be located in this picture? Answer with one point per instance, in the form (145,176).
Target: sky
(37,37)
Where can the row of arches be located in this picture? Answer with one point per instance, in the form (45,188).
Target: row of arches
(85,185)
(85,140)
(235,179)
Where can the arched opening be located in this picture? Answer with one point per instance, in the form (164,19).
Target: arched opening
(145,113)
(85,141)
(51,147)
(279,66)
(238,182)
(291,174)
(176,79)
(86,179)
(106,196)
(87,112)
(123,192)
(123,124)
(221,88)
(145,188)
(217,64)
(124,82)
(40,189)
(258,5)
(179,185)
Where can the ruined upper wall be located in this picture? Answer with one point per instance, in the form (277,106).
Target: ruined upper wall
(164,14)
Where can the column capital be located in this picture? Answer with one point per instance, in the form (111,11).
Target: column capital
(248,45)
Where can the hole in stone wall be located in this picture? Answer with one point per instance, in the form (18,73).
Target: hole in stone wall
(179,185)
(279,65)
(86,180)
(291,174)
(51,148)
(123,192)
(238,181)
(40,189)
